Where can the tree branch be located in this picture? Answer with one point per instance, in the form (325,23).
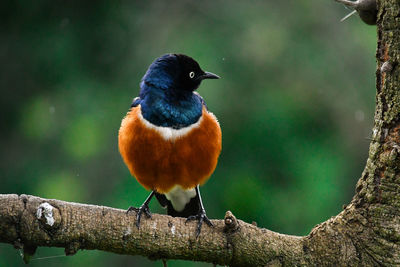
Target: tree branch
(365,233)
(24,221)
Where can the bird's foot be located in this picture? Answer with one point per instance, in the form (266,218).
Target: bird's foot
(139,211)
(201,217)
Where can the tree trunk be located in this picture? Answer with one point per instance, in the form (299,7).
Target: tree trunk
(365,233)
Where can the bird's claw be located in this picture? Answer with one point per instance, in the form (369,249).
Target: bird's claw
(139,211)
(201,217)
(131,208)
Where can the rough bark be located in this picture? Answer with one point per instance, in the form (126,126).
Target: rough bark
(365,233)
(25,223)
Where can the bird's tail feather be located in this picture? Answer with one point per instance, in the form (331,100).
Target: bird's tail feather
(191,208)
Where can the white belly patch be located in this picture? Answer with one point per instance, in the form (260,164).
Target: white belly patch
(179,197)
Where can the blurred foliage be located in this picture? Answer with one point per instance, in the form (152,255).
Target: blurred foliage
(295,104)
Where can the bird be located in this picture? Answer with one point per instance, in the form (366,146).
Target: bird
(169,140)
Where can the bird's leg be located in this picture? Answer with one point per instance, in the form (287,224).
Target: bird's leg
(144,208)
(201,216)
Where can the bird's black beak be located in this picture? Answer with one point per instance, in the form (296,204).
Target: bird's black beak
(209,75)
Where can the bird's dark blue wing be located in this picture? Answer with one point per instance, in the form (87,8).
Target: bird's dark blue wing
(202,100)
(136,101)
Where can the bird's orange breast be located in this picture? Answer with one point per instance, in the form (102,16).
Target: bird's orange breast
(160,157)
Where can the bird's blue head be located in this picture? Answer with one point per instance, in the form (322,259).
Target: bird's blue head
(166,91)
(176,72)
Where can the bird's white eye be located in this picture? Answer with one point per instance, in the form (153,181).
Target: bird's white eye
(191,74)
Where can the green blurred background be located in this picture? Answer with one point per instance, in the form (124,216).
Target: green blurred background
(295,104)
